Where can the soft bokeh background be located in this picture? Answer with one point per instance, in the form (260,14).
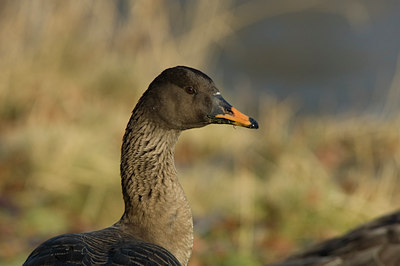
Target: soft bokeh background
(321,77)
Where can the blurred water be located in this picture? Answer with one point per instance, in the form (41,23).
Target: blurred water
(329,60)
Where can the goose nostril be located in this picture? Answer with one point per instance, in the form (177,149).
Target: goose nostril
(229,111)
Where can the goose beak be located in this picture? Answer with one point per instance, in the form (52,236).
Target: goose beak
(224,113)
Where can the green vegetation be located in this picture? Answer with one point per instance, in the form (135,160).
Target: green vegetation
(71,74)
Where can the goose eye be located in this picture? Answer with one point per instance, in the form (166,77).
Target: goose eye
(190,90)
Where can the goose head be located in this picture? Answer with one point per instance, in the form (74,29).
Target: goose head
(182,98)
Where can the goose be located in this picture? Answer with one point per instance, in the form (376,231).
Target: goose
(156,227)
(375,243)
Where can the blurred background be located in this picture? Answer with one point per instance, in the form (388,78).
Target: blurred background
(321,77)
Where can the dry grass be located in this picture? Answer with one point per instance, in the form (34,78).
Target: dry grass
(71,74)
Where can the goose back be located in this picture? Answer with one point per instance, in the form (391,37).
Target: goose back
(109,246)
(375,243)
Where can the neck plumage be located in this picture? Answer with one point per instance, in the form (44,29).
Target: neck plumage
(156,209)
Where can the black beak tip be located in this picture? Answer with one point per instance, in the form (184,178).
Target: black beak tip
(253,124)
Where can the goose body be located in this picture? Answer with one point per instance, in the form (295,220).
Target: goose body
(110,246)
(156,227)
(376,243)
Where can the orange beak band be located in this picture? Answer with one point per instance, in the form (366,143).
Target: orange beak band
(223,113)
(238,118)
